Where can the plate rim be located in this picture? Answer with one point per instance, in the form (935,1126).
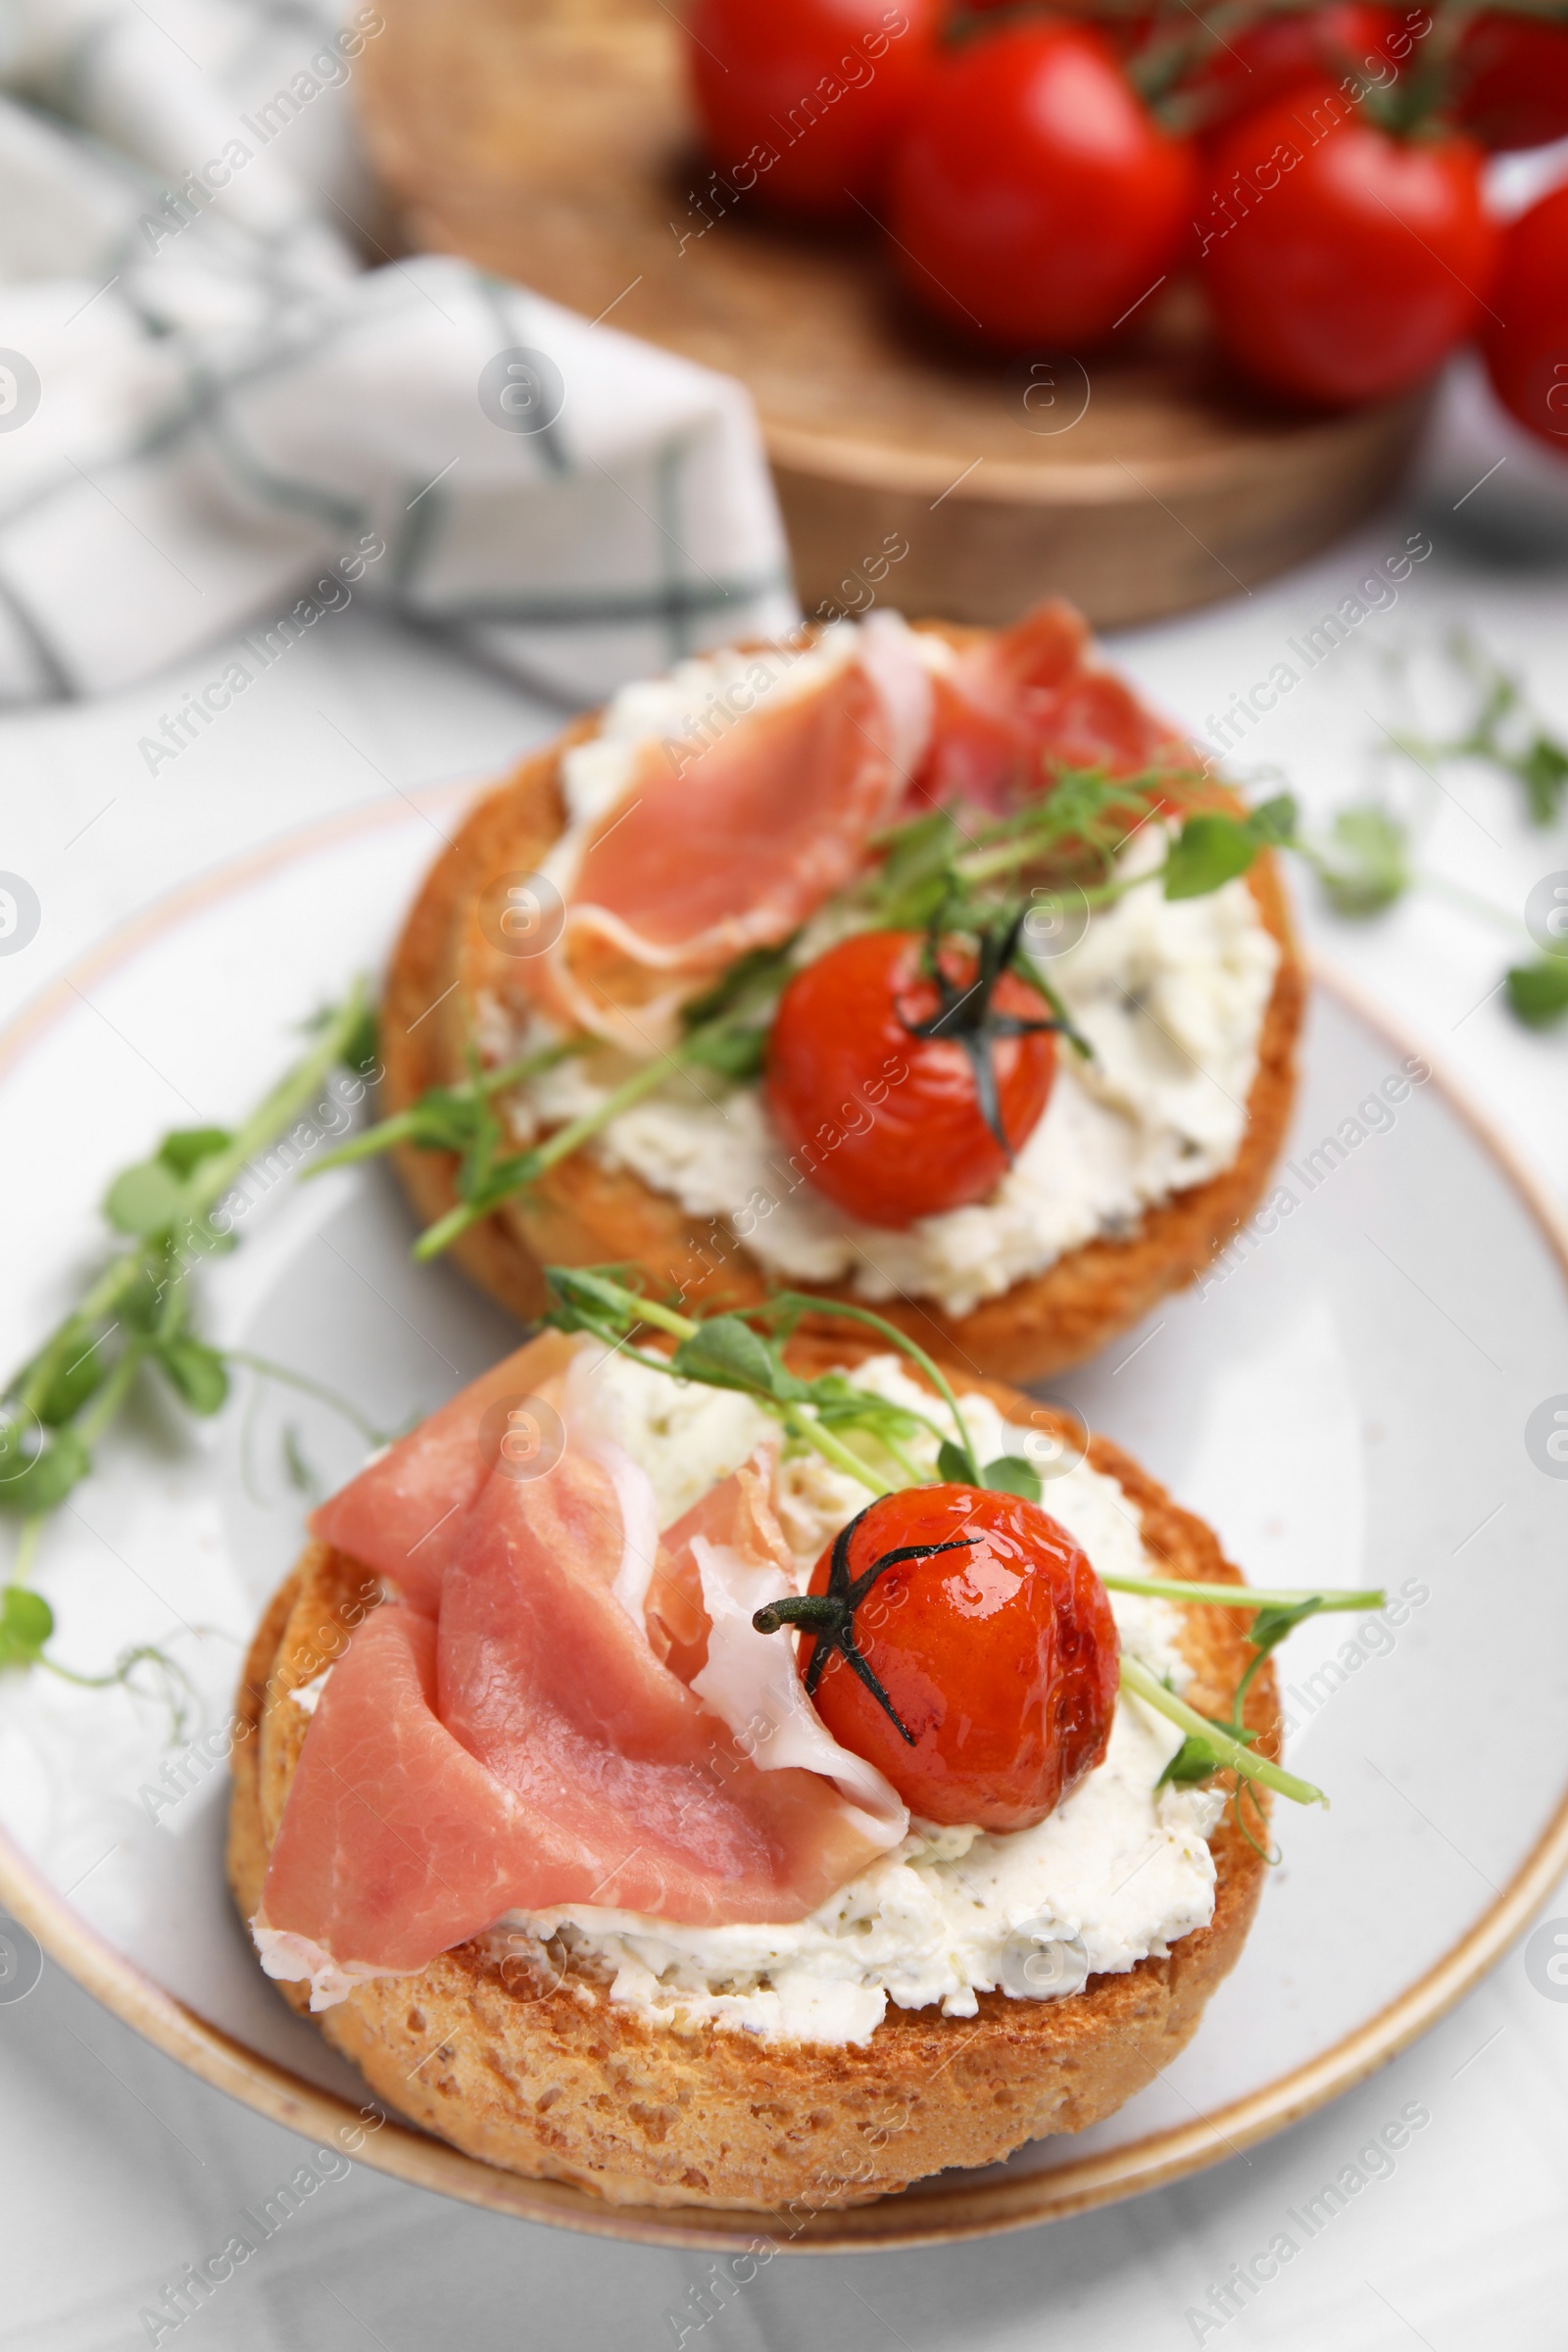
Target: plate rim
(922,2215)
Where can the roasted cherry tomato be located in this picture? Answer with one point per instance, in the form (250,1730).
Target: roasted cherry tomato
(1250,68)
(1512,79)
(801,98)
(992,1640)
(1527,344)
(1342,263)
(1033,197)
(891,1124)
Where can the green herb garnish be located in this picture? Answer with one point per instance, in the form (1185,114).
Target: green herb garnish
(725,1350)
(1538,992)
(1504,733)
(1364,866)
(725,1030)
(138,1315)
(1212,1748)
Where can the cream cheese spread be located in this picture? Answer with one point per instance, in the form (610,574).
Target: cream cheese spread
(1118,1872)
(1171,994)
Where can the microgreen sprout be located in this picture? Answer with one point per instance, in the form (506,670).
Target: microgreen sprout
(1504,733)
(1365,862)
(725,1030)
(1364,866)
(137,1315)
(725,1350)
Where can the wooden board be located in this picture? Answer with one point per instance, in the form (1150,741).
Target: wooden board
(553,142)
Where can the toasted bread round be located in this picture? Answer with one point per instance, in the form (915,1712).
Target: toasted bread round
(583,1213)
(514,2053)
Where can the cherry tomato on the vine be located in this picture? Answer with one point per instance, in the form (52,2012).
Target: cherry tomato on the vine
(1033,196)
(889,1124)
(1342,262)
(998,1657)
(1526,344)
(1252,67)
(1512,79)
(799,98)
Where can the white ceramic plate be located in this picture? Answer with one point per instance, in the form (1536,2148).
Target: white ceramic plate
(1346,1402)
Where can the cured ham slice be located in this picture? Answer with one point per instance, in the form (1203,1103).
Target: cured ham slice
(395,1843)
(712,850)
(401,1515)
(519,1746)
(1025,703)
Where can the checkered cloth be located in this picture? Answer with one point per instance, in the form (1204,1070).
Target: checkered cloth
(209,409)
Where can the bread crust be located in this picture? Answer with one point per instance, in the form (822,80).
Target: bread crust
(583,1213)
(517,2057)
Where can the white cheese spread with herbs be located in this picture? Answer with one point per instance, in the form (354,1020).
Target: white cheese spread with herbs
(1118,1872)
(1170,994)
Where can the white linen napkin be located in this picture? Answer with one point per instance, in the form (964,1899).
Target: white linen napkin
(210,416)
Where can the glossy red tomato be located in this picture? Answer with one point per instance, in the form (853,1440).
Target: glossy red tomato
(1526,345)
(999,1658)
(1342,263)
(891,1125)
(799,98)
(1512,79)
(1033,196)
(1250,68)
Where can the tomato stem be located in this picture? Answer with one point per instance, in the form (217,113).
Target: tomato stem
(829,1617)
(968,1017)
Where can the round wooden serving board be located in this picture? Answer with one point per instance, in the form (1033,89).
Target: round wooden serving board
(553,142)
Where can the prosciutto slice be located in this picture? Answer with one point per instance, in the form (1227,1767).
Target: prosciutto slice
(518,1743)
(1026,702)
(718,848)
(401,1515)
(395,1843)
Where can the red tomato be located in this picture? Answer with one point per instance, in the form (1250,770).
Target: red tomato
(1033,196)
(1243,72)
(1342,263)
(1527,345)
(1000,1657)
(799,98)
(1512,81)
(890,1125)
